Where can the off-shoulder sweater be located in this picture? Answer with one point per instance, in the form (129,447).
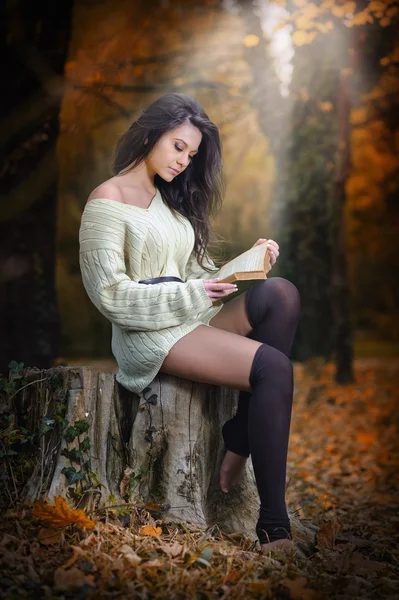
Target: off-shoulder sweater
(121,244)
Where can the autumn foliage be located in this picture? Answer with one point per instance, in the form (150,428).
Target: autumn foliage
(60,514)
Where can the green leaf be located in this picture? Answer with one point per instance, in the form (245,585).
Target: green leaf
(15,367)
(72,474)
(74,454)
(94,477)
(81,426)
(70,434)
(43,429)
(75,492)
(85,444)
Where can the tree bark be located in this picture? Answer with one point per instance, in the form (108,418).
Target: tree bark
(164,446)
(339,275)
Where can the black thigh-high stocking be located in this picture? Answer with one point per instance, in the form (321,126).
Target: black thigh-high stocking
(269,419)
(273,310)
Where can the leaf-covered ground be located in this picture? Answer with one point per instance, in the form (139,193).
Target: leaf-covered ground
(342,476)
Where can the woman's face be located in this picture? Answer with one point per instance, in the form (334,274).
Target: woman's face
(174,151)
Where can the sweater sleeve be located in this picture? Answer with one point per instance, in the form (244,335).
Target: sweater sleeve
(194,271)
(124,302)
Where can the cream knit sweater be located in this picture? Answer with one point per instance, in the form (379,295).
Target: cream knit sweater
(121,244)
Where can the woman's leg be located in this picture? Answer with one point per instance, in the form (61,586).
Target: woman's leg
(273,310)
(211,355)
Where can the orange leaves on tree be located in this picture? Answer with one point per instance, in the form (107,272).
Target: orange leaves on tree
(251,40)
(300,38)
(340,11)
(281,25)
(377,5)
(312,18)
(325,106)
(310,10)
(149,530)
(304,23)
(60,514)
(384,62)
(392,11)
(324,27)
(359,115)
(362,17)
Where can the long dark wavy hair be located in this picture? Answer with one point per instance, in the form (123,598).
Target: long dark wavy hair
(197,192)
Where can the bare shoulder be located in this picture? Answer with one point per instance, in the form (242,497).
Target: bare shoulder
(108,190)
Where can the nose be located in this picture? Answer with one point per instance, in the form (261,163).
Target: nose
(183,161)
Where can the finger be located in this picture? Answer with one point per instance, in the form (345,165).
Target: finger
(274,243)
(221,287)
(275,256)
(273,253)
(273,246)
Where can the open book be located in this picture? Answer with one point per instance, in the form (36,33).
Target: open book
(252,264)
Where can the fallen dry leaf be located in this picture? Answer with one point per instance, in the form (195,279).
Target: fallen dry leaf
(149,530)
(356,563)
(261,585)
(48,536)
(327,534)
(130,555)
(298,589)
(157,563)
(233,576)
(172,550)
(67,579)
(60,514)
(76,555)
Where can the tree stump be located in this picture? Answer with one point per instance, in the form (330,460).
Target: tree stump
(101,444)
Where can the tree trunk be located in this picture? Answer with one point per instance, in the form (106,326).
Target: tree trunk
(100,443)
(339,275)
(34,47)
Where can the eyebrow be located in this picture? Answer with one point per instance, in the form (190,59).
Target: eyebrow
(180,140)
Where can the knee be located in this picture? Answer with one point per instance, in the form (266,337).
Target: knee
(272,365)
(284,292)
(274,294)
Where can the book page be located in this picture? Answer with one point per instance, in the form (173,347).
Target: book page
(251,260)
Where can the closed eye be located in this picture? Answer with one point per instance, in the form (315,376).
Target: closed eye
(181,150)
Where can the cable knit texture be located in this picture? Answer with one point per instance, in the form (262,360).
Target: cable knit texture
(121,244)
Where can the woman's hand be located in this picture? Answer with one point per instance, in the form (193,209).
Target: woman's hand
(216,290)
(273,247)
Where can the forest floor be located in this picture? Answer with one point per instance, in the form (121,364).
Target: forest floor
(342,476)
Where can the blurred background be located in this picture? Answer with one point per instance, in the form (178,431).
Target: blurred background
(305,95)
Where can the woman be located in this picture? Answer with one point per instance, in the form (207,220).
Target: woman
(144,264)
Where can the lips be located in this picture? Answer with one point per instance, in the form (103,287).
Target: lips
(174,171)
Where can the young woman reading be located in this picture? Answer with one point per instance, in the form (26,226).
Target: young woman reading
(144,263)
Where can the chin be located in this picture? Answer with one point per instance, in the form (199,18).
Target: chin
(170,176)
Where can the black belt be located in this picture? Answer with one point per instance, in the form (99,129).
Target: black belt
(161,279)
